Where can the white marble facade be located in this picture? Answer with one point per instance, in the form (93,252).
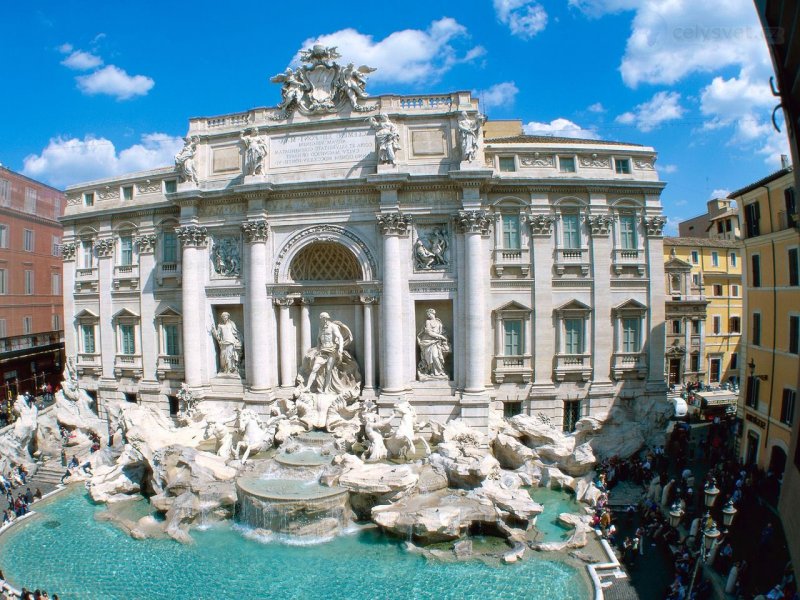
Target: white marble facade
(541,257)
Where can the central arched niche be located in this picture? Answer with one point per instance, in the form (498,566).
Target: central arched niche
(325,261)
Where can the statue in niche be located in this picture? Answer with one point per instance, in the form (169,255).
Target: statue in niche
(431,256)
(225,256)
(184,160)
(255,152)
(433,347)
(469,130)
(328,368)
(230,345)
(387,136)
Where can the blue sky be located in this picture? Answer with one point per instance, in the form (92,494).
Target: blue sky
(94,89)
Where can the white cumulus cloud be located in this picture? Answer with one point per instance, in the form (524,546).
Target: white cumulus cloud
(668,169)
(662,107)
(560,128)
(525,18)
(113,81)
(500,94)
(82,61)
(597,107)
(719,193)
(407,56)
(65,161)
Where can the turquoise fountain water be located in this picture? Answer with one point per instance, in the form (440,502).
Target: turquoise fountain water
(554,503)
(65,550)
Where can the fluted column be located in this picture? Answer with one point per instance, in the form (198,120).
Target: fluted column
(368,366)
(287,341)
(305,324)
(193,239)
(474,225)
(392,225)
(258,335)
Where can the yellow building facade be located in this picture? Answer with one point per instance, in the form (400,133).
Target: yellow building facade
(770,355)
(715,279)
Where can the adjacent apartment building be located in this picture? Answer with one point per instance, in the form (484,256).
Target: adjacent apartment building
(31,305)
(770,348)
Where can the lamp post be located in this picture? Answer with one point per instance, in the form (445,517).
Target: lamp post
(728,513)
(711,492)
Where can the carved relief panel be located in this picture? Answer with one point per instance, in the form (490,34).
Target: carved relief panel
(431,250)
(226,256)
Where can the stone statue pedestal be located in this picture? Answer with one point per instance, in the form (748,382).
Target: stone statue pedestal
(313,409)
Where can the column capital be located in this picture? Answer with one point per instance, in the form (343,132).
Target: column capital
(394,223)
(104,247)
(368,299)
(146,244)
(283,301)
(192,235)
(654,226)
(540,224)
(473,221)
(599,225)
(68,251)
(255,231)
(306,300)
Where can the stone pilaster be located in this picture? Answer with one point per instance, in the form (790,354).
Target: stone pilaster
(259,338)
(602,342)
(193,239)
(288,342)
(104,250)
(68,251)
(656,292)
(305,325)
(146,246)
(369,343)
(392,226)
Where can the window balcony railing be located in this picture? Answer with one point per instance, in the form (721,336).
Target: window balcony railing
(168,270)
(572,257)
(625,257)
(86,273)
(128,364)
(629,364)
(126,276)
(88,364)
(511,257)
(517,366)
(573,366)
(169,365)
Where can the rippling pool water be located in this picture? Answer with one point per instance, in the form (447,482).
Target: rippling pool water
(554,503)
(64,550)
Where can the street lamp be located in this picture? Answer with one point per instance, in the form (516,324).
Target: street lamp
(710,535)
(711,492)
(728,513)
(675,514)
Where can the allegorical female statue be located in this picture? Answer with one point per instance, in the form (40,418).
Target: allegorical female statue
(433,347)
(230,345)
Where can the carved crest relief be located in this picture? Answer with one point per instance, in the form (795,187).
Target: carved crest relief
(537,160)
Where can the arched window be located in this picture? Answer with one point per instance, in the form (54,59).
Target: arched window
(325,261)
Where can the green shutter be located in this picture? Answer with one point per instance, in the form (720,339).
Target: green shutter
(572,237)
(573,336)
(513,337)
(511,232)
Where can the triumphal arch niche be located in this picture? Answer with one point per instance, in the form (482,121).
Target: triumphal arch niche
(457,262)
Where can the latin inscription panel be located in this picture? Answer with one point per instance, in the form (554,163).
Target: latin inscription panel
(322,148)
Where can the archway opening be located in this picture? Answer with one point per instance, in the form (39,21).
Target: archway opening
(325,261)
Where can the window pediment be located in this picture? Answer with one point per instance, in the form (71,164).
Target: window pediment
(629,307)
(125,314)
(573,308)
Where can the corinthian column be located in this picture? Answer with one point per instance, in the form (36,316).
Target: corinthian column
(392,226)
(287,341)
(474,224)
(368,366)
(193,239)
(258,330)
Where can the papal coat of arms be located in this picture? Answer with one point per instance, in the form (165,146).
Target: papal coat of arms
(322,85)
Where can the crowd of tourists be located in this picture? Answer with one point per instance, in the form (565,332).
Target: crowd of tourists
(9,593)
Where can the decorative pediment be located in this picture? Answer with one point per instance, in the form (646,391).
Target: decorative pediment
(168,313)
(125,313)
(630,306)
(512,308)
(678,265)
(86,315)
(574,307)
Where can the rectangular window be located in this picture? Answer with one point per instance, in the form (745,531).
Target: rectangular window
(733,259)
(126,250)
(717,289)
(735,291)
(566,164)
(3,236)
(728,225)
(734,362)
(756,268)
(88,199)
(756,339)
(734,325)
(696,327)
(169,252)
(127,192)
(794,334)
(512,409)
(29,283)
(86,254)
(752,215)
(5,192)
(127,343)
(676,326)
(630,335)
(715,366)
(3,282)
(2,328)
(787,406)
(572,230)
(30,200)
(696,279)
(622,166)
(87,334)
(572,414)
(573,336)
(627,232)
(171,347)
(511,239)
(720,227)
(55,284)
(170,186)
(507,164)
(695,257)
(28,240)
(512,337)
(751,393)
(794,267)
(716,324)
(791,207)
(55,245)
(27,324)
(715,259)
(694,362)
(56,323)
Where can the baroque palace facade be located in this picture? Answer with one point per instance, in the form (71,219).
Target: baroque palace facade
(542,258)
